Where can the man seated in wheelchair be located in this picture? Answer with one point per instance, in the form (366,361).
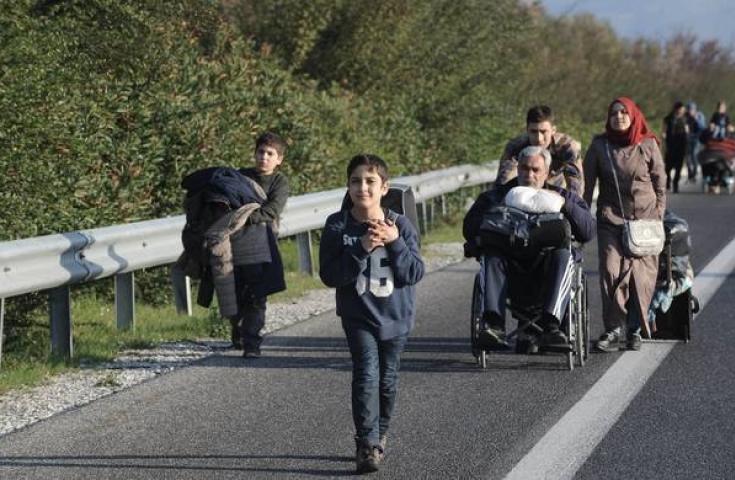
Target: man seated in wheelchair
(523,231)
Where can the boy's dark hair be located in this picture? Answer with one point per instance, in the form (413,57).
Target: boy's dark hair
(540,113)
(270,139)
(374,162)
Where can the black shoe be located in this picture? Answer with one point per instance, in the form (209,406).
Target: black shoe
(609,342)
(492,338)
(235,337)
(251,352)
(367,458)
(527,344)
(633,341)
(554,337)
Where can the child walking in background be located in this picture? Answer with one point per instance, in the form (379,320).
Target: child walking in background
(371,256)
(217,192)
(269,152)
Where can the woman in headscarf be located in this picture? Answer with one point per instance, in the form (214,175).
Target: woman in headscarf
(627,283)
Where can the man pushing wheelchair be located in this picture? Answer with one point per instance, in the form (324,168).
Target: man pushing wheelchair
(523,232)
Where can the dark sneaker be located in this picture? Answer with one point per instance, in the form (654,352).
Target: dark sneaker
(235,337)
(251,352)
(367,458)
(492,338)
(554,338)
(527,344)
(634,341)
(609,342)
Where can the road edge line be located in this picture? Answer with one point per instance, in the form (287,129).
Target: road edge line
(569,443)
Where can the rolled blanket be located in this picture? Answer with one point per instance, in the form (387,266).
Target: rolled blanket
(530,200)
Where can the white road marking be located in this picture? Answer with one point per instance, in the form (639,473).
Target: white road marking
(568,444)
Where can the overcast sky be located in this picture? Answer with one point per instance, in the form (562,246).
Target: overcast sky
(657,19)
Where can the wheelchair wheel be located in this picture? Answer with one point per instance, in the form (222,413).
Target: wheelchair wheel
(571,331)
(580,322)
(585,342)
(586,317)
(475,319)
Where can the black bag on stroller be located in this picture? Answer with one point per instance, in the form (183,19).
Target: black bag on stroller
(673,305)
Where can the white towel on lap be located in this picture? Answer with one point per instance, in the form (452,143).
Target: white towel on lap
(531,200)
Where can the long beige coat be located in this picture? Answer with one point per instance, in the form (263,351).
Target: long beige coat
(642,178)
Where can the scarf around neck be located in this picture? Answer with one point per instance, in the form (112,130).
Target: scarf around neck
(638,130)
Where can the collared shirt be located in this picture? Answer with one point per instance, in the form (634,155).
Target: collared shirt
(566,163)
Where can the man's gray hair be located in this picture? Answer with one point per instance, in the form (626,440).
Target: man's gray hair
(534,151)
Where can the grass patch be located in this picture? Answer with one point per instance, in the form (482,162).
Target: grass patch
(445,230)
(28,361)
(97,339)
(18,373)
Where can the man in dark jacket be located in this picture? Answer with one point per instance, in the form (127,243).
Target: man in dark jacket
(552,274)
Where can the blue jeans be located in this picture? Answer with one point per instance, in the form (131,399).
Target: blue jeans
(692,163)
(375,367)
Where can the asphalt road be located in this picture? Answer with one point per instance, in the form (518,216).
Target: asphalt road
(287,415)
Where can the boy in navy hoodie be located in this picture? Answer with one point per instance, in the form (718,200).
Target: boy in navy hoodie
(371,256)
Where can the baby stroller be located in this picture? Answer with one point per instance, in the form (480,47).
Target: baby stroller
(673,305)
(717,159)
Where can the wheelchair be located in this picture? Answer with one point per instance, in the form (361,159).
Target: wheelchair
(575,323)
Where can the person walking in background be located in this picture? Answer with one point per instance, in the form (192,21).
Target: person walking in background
(627,283)
(205,204)
(566,163)
(719,124)
(697,123)
(371,256)
(676,138)
(269,152)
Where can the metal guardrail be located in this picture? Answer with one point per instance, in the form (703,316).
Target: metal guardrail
(310,211)
(55,262)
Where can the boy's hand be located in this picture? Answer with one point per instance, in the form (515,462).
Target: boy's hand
(371,240)
(385,230)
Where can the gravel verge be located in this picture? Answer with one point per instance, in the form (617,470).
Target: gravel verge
(63,392)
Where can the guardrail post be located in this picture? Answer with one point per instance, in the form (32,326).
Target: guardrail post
(432,207)
(443,202)
(181,285)
(2,325)
(125,301)
(423,227)
(60,315)
(303,247)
